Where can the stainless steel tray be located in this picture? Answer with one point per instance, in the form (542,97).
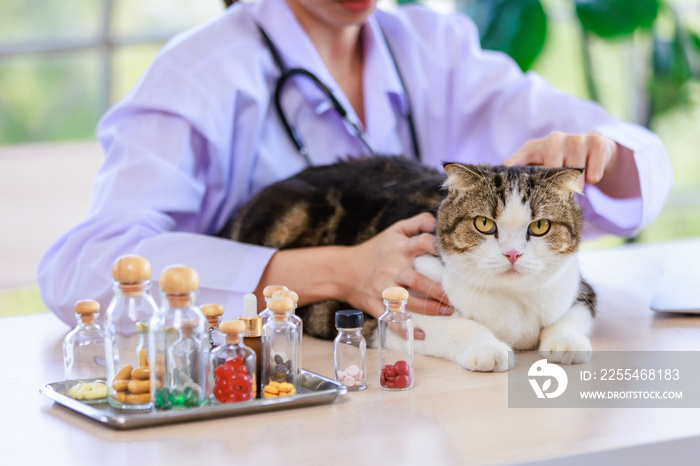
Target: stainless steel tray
(315,390)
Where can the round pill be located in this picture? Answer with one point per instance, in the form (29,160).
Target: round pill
(402,368)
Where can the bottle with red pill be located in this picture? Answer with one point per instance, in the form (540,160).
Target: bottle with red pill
(395,345)
(233,365)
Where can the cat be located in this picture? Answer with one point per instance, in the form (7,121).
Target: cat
(507,239)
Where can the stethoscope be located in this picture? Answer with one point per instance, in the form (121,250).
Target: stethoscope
(287,73)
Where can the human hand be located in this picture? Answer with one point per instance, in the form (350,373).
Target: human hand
(387,260)
(591,151)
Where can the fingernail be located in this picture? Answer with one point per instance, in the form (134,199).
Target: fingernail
(419,334)
(446,310)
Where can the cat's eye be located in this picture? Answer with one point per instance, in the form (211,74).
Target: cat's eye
(485,225)
(539,227)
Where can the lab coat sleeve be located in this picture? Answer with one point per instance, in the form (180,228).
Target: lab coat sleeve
(158,194)
(494,109)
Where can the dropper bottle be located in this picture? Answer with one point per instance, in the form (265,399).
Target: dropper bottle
(253,334)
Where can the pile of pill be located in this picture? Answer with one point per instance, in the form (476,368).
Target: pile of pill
(232,382)
(275,389)
(281,371)
(352,376)
(88,391)
(174,399)
(396,375)
(133,386)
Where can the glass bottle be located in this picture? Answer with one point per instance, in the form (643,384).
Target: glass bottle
(253,335)
(395,342)
(126,322)
(213,313)
(349,349)
(281,343)
(179,378)
(84,346)
(268,291)
(233,364)
(295,319)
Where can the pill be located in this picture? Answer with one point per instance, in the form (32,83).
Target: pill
(96,391)
(120,385)
(141,373)
(143,359)
(349,381)
(352,371)
(140,386)
(124,373)
(138,399)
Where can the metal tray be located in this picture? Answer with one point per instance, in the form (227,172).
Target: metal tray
(315,390)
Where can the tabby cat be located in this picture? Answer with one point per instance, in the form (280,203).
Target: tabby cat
(507,238)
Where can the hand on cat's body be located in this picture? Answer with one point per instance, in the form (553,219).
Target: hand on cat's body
(387,260)
(607,163)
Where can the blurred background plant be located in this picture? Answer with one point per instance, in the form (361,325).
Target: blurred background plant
(64,62)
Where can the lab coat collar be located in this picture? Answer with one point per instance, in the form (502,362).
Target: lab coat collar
(383,94)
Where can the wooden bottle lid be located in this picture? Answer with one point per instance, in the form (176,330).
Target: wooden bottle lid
(286,294)
(280,304)
(131,269)
(232,327)
(272,289)
(395,293)
(178,279)
(86,307)
(212,310)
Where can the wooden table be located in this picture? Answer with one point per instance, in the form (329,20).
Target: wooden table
(452,416)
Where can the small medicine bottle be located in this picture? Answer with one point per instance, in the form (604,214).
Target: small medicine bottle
(268,291)
(84,346)
(233,364)
(253,334)
(395,342)
(126,324)
(281,347)
(349,349)
(180,368)
(213,313)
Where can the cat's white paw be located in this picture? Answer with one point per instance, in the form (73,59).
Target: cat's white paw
(567,349)
(487,357)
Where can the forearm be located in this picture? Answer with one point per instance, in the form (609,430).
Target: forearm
(315,274)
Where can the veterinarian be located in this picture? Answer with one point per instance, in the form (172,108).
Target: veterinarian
(200,134)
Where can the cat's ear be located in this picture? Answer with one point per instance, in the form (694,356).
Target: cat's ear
(461,174)
(567,179)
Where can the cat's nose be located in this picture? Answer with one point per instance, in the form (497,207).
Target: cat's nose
(512,255)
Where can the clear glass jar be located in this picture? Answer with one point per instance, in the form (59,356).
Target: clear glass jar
(179,343)
(395,342)
(281,350)
(234,365)
(126,322)
(213,313)
(84,346)
(349,349)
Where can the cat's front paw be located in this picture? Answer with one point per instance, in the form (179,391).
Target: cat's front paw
(567,349)
(488,357)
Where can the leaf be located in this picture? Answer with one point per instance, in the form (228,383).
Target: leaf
(616,18)
(546,384)
(516,27)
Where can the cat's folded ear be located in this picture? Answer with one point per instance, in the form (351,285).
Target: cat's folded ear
(567,179)
(461,174)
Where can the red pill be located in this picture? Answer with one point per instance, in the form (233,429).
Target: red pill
(402,381)
(389,370)
(390,385)
(237,361)
(402,368)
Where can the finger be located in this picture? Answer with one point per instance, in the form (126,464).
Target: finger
(600,151)
(428,289)
(425,243)
(421,223)
(526,155)
(575,151)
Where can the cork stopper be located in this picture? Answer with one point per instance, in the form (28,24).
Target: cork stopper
(232,327)
(272,289)
(212,310)
(86,309)
(279,307)
(395,297)
(131,269)
(213,313)
(287,294)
